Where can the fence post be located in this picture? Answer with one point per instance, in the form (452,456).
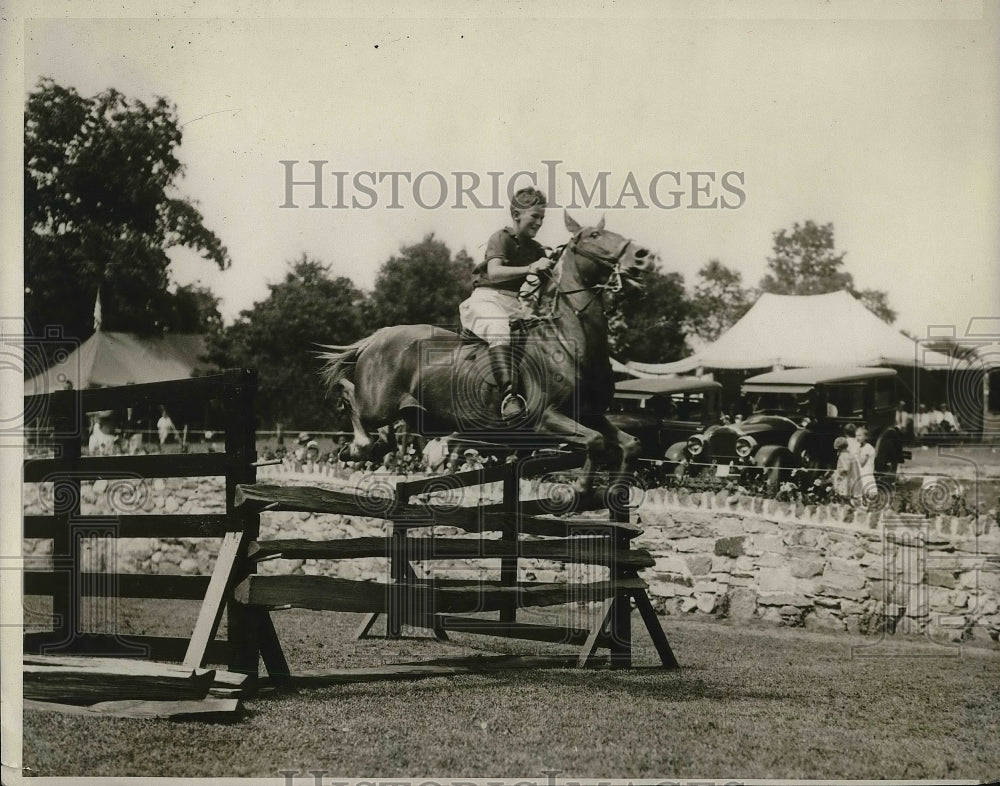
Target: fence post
(508,565)
(620,622)
(243,629)
(66,497)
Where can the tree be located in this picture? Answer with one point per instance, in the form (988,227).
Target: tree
(423,285)
(805,263)
(194,309)
(718,302)
(279,336)
(101,211)
(647,325)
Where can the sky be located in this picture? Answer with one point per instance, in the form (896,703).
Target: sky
(848,113)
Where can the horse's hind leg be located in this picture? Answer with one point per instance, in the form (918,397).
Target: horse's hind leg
(361,441)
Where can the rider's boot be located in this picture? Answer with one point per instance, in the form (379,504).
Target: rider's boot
(512,405)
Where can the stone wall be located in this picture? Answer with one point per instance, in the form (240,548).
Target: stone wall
(743,558)
(826,568)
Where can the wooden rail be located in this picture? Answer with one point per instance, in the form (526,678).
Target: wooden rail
(68,583)
(441,605)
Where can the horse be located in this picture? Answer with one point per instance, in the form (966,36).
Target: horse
(442,384)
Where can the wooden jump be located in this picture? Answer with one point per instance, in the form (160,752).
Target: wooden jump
(442,605)
(502,533)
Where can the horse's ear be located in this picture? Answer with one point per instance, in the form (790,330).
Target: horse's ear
(571,225)
(600,224)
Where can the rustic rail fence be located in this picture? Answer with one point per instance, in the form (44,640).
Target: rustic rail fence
(510,530)
(68,582)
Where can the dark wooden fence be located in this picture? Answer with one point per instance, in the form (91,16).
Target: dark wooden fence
(68,583)
(234,586)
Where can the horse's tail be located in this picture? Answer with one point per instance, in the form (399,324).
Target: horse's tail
(340,361)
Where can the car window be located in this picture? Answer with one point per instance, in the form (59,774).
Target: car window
(625,405)
(688,406)
(885,393)
(789,404)
(849,399)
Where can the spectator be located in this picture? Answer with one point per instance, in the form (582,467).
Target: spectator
(904,422)
(846,474)
(471,460)
(436,454)
(866,462)
(299,455)
(934,421)
(949,423)
(165,427)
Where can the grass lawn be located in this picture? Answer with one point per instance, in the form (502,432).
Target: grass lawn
(747,703)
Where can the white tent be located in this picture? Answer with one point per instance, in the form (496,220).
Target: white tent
(111,359)
(794,331)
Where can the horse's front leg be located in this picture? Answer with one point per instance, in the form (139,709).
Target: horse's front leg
(561,425)
(628,446)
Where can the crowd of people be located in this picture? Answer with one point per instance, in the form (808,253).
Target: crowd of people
(927,422)
(397,453)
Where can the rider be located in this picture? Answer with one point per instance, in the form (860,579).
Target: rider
(511,254)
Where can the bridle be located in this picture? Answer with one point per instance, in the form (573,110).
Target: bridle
(613,283)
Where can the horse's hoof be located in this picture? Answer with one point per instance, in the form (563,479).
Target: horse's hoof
(590,499)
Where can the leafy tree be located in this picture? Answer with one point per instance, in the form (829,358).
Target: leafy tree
(101,211)
(194,309)
(423,285)
(719,300)
(876,301)
(647,325)
(279,337)
(805,263)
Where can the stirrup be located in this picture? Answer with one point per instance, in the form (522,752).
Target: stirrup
(514,400)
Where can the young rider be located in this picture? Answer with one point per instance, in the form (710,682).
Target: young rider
(511,254)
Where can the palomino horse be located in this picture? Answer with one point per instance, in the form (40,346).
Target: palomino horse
(442,384)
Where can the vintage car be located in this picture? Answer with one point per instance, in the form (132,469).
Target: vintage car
(791,418)
(664,410)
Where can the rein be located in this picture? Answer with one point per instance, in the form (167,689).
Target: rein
(612,284)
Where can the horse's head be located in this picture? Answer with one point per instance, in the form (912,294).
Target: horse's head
(605,257)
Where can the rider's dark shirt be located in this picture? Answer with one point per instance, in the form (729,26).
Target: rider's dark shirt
(512,251)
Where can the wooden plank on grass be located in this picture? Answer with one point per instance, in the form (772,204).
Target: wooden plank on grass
(170,710)
(85,684)
(441,667)
(591,551)
(210,614)
(224,683)
(325,593)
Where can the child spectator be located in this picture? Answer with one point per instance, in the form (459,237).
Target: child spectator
(846,474)
(866,462)
(471,460)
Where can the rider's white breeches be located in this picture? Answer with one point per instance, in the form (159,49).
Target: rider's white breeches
(487,312)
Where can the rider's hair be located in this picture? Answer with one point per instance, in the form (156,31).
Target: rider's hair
(527,198)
